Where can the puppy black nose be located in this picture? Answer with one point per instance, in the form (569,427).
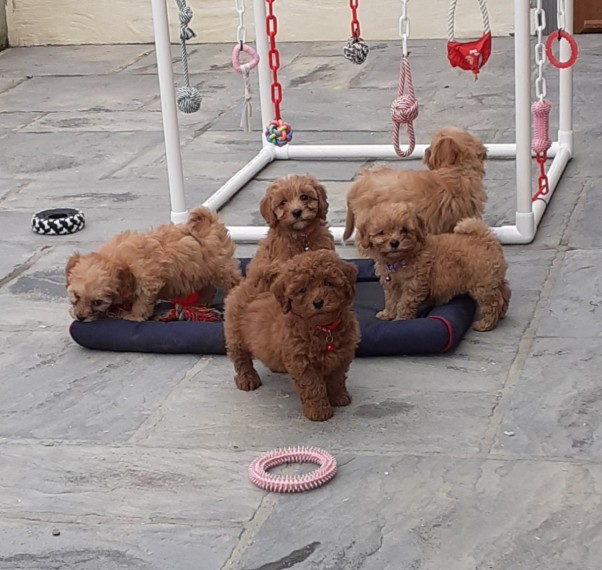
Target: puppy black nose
(297,213)
(318,303)
(80,318)
(394,244)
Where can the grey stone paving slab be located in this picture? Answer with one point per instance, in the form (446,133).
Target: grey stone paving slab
(113,546)
(23,313)
(7,83)
(71,156)
(81,93)
(586,217)
(388,413)
(574,306)
(143,485)
(14,255)
(555,409)
(54,389)
(71,60)
(14,121)
(388,513)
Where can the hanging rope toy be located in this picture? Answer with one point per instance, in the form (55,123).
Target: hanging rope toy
(246,68)
(277,131)
(258,470)
(559,35)
(188,98)
(472,55)
(404,109)
(355,50)
(540,142)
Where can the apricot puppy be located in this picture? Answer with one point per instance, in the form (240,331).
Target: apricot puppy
(304,326)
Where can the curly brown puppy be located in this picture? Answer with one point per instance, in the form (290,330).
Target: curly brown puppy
(452,188)
(134,270)
(415,267)
(304,326)
(295,208)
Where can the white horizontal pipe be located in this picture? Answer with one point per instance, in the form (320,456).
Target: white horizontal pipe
(224,194)
(370,151)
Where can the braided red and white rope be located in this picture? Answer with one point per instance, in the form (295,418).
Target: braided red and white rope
(258,470)
(404,109)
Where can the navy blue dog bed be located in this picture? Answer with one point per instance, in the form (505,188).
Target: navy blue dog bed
(436,330)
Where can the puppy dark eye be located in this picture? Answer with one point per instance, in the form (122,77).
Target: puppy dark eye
(282,203)
(302,290)
(304,197)
(327,283)
(97,302)
(403,231)
(379,234)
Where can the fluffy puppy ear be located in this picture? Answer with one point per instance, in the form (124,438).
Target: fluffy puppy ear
(71,263)
(421,229)
(322,199)
(445,152)
(265,207)
(127,282)
(363,239)
(278,289)
(350,272)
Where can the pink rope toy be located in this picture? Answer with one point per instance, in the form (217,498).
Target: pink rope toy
(541,142)
(244,69)
(404,109)
(258,470)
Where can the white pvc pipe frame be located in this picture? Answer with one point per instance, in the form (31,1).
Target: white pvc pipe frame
(528,212)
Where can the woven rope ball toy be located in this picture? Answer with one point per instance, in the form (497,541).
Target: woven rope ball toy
(356,50)
(258,470)
(278,132)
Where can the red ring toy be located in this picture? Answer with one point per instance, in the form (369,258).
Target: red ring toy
(572,43)
(236,58)
(258,470)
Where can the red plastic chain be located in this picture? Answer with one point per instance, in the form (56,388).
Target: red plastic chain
(542,182)
(355,23)
(274,58)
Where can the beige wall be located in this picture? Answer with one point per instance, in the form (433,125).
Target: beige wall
(35,22)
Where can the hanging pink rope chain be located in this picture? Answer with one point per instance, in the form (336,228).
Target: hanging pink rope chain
(258,470)
(541,142)
(404,109)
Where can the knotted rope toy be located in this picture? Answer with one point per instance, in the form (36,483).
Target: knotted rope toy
(258,470)
(244,70)
(404,109)
(188,98)
(356,50)
(541,142)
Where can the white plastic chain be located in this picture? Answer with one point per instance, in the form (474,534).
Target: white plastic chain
(540,50)
(241,30)
(561,20)
(404,27)
(451,16)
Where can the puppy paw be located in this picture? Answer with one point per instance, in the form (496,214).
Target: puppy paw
(319,413)
(484,325)
(247,381)
(384,316)
(339,400)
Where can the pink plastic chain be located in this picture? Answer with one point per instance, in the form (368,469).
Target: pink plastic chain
(404,109)
(541,142)
(258,470)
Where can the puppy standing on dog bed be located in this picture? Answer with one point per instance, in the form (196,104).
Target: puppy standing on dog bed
(134,270)
(417,268)
(452,188)
(295,208)
(304,326)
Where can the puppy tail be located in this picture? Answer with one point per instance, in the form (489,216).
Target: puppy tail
(201,220)
(472,226)
(349,224)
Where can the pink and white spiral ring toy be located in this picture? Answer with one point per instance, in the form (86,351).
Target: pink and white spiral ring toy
(258,470)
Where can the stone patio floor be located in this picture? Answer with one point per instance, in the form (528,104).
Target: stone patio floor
(487,458)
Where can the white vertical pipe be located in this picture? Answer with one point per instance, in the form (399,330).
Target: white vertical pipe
(522,90)
(261,43)
(565,122)
(169,112)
